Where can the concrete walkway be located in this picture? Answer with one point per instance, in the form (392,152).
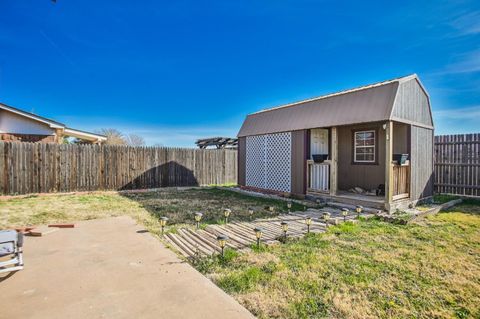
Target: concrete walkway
(108,269)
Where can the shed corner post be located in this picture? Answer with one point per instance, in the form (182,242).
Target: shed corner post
(388,165)
(334,162)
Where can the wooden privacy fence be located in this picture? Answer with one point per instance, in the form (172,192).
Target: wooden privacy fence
(457,164)
(42,168)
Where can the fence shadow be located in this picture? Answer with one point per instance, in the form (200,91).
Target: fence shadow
(170,174)
(160,203)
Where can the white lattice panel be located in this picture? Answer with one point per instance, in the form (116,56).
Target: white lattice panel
(268,161)
(255,162)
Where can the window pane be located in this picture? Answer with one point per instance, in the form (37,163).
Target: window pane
(369,135)
(368,150)
(364,146)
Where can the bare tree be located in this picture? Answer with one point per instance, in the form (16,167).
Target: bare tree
(114,136)
(134,140)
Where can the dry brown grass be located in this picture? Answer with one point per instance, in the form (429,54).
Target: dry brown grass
(144,206)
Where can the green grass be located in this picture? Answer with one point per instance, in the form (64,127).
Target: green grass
(372,269)
(443,198)
(145,207)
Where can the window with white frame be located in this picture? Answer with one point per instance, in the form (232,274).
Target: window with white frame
(364,147)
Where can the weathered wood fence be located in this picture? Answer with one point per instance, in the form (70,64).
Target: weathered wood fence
(457,164)
(42,168)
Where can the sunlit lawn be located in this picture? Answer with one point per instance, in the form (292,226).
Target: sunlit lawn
(369,270)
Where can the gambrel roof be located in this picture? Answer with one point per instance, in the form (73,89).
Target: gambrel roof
(402,99)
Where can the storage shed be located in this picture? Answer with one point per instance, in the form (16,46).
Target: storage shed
(371,145)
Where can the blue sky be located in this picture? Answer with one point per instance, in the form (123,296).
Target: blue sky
(175,71)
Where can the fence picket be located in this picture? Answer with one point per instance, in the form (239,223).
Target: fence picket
(41,168)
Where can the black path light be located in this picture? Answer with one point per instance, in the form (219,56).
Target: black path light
(308,221)
(358,209)
(284,228)
(198,218)
(222,241)
(326,218)
(289,205)
(226,213)
(345,212)
(163,223)
(258,233)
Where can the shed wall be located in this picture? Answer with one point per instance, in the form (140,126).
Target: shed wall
(299,158)
(350,174)
(421,163)
(412,104)
(401,138)
(242,155)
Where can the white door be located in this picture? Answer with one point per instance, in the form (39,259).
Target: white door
(319,141)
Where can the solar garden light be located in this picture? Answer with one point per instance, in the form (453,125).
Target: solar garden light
(308,221)
(222,241)
(358,209)
(345,212)
(163,223)
(226,213)
(271,208)
(258,233)
(284,228)
(250,212)
(326,217)
(198,218)
(289,205)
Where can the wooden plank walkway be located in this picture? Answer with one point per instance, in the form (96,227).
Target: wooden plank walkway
(203,242)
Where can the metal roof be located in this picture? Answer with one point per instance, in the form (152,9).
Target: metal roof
(370,103)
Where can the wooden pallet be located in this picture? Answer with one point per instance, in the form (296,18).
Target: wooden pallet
(192,243)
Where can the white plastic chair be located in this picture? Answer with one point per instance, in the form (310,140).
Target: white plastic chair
(11,243)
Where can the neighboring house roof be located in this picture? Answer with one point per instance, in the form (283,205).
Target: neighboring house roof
(370,103)
(54,124)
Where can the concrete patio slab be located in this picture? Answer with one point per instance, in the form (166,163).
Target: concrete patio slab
(109,268)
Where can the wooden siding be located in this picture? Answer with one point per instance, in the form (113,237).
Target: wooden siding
(421,163)
(401,181)
(350,174)
(457,164)
(412,104)
(242,159)
(299,162)
(41,168)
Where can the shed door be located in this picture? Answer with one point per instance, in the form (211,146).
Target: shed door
(319,141)
(268,161)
